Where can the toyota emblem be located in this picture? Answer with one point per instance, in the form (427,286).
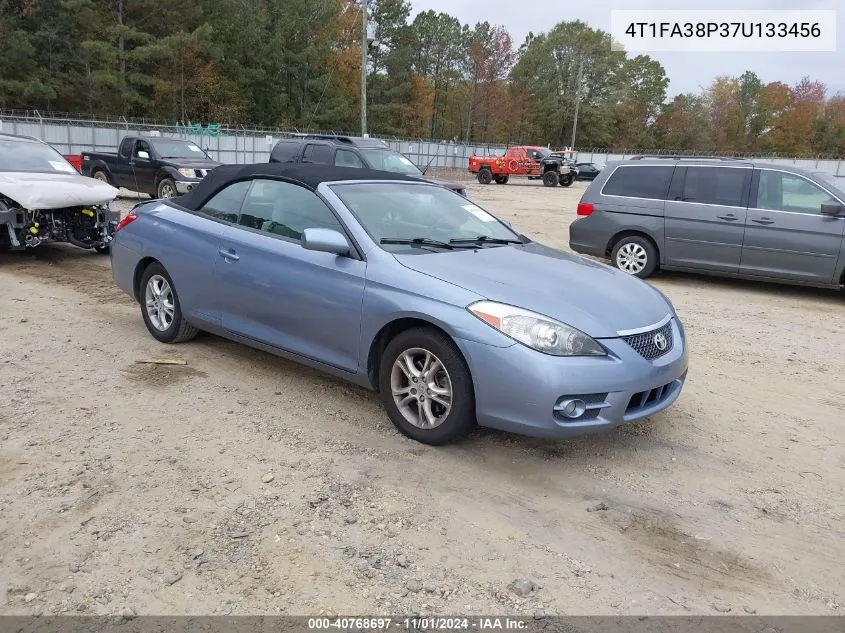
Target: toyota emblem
(660,341)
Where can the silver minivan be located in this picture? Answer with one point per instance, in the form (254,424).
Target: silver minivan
(715,215)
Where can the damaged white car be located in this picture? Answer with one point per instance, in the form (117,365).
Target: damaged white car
(44,199)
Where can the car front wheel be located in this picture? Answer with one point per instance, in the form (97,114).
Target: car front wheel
(160,307)
(426,387)
(166,188)
(635,255)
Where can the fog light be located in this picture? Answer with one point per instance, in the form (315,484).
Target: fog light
(573,408)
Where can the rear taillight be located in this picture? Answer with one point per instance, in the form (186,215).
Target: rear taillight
(128,219)
(585,208)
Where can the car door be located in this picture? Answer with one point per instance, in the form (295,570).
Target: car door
(529,162)
(143,168)
(705,217)
(786,235)
(192,247)
(121,170)
(279,293)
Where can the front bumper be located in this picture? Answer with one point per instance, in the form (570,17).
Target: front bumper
(184,186)
(520,390)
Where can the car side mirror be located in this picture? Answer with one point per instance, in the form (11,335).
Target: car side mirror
(144,155)
(325,241)
(832,209)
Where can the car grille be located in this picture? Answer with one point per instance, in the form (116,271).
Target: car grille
(648,398)
(646,344)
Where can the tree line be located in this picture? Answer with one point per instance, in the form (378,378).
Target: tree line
(296,64)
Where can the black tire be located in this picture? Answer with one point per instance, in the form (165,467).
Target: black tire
(501,180)
(551,178)
(566,181)
(633,248)
(485,176)
(99,174)
(460,418)
(166,188)
(179,330)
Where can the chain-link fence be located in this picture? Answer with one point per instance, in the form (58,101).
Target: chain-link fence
(231,144)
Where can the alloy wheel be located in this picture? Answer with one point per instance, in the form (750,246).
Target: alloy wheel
(631,258)
(161,308)
(421,388)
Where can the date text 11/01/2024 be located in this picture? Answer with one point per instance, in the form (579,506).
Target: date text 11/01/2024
(724,29)
(415,624)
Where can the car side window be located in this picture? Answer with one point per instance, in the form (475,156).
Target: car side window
(715,185)
(345,158)
(226,204)
(285,152)
(316,153)
(650,182)
(285,209)
(781,191)
(142,146)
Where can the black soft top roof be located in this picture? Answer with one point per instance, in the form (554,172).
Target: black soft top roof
(308,175)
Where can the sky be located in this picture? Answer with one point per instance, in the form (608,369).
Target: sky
(687,72)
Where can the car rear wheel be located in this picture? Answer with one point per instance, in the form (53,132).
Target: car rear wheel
(485,176)
(635,255)
(426,387)
(551,178)
(166,188)
(100,175)
(502,180)
(161,309)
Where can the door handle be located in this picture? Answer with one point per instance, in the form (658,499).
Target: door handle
(730,217)
(228,255)
(764,221)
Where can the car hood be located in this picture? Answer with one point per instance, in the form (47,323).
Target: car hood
(595,298)
(41,190)
(192,163)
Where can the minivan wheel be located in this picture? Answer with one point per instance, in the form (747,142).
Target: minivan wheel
(635,255)
(426,387)
(160,307)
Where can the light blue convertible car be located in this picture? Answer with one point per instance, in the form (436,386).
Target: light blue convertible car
(409,289)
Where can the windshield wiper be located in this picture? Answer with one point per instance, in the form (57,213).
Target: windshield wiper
(485,239)
(416,241)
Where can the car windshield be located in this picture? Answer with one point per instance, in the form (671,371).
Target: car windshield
(178,149)
(388,160)
(830,179)
(543,151)
(30,156)
(434,217)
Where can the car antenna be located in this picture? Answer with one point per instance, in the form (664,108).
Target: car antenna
(429,164)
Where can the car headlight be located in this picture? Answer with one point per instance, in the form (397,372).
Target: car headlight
(536,331)
(187,173)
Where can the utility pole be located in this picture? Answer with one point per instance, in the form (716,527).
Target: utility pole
(364,47)
(577,101)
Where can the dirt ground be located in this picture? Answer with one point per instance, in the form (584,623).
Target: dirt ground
(241,483)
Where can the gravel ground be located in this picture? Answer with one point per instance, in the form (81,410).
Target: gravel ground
(241,483)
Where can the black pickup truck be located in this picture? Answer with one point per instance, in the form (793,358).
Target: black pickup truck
(161,167)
